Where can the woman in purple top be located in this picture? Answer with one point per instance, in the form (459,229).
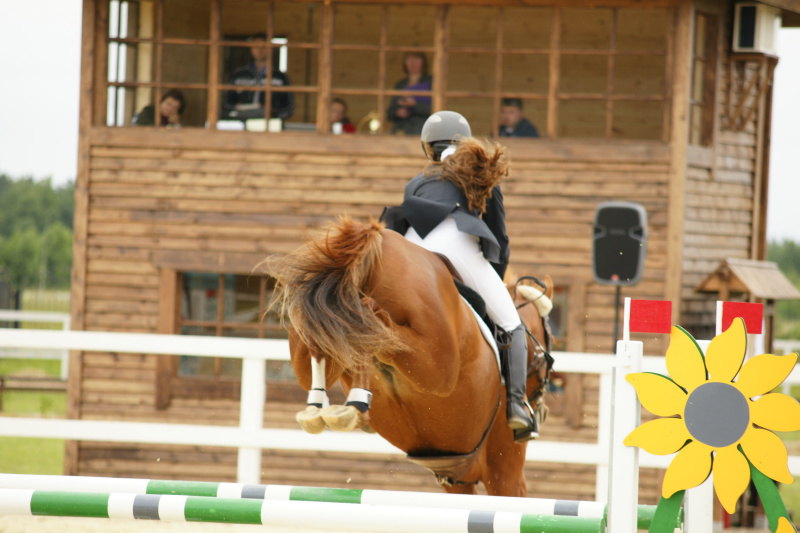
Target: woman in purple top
(408,113)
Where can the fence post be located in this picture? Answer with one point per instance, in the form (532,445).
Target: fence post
(604,433)
(623,464)
(251,417)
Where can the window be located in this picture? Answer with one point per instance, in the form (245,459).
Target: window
(218,304)
(704,64)
(271,65)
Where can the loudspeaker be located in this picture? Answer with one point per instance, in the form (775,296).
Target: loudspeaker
(620,243)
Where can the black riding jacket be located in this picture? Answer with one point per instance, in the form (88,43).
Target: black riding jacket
(428,200)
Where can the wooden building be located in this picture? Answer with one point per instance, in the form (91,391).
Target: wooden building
(645,102)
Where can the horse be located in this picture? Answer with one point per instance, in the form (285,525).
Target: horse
(382,315)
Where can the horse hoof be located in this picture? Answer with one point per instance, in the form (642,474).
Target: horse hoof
(310,419)
(342,417)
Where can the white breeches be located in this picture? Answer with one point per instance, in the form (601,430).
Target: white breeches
(464,252)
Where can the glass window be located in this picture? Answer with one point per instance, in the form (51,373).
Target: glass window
(276,69)
(223,305)
(582,118)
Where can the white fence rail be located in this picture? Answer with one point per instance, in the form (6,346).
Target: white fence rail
(12,315)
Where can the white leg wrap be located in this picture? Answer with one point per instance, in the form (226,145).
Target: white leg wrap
(318,397)
(361,399)
(318,373)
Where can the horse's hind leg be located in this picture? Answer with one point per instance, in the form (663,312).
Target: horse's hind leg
(310,418)
(355,412)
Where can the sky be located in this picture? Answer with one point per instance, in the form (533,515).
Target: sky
(39,78)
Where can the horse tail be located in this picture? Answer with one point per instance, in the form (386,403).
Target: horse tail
(321,289)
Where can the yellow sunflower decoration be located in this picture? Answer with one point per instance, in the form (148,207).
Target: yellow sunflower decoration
(719,416)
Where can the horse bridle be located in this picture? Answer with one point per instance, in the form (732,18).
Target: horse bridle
(541,354)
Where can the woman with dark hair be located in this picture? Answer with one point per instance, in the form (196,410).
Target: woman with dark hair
(408,113)
(170,109)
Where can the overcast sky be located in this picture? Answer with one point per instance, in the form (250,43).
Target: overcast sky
(39,74)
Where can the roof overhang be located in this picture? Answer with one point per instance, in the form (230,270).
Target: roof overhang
(762,279)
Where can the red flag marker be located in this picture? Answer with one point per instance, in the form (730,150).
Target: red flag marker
(753,315)
(651,316)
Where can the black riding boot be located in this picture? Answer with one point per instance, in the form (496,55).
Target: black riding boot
(515,369)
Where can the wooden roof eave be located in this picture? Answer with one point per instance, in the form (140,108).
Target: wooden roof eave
(761,279)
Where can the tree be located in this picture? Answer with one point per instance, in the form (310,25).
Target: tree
(35,233)
(787,255)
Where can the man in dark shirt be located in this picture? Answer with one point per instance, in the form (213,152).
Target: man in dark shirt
(250,104)
(514,123)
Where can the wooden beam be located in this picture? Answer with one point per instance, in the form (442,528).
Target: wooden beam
(682,25)
(88,87)
(758,248)
(554,68)
(167,318)
(324,73)
(212,110)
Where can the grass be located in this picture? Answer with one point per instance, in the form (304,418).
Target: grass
(30,455)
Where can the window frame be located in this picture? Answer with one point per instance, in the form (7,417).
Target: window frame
(707,75)
(171,385)
(440,50)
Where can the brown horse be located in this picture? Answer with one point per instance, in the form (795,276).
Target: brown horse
(385,316)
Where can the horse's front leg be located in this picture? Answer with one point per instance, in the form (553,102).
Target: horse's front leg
(355,412)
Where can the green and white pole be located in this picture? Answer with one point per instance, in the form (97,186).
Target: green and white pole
(302,515)
(528,506)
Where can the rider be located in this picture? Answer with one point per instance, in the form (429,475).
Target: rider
(461,216)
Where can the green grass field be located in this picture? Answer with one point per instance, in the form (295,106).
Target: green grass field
(24,455)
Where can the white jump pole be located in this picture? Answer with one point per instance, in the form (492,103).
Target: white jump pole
(623,489)
(251,417)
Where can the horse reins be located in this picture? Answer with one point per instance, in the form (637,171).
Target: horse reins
(546,358)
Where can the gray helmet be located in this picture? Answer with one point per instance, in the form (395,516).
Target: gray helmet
(442,129)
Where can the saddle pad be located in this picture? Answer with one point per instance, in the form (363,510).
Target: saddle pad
(487,334)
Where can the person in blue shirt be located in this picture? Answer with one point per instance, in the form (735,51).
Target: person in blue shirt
(514,123)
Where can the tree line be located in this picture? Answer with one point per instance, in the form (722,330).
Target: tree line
(35,233)
(787,255)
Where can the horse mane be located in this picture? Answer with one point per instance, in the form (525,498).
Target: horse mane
(476,168)
(321,289)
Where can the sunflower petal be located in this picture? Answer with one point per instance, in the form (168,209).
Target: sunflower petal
(661,436)
(725,353)
(767,453)
(690,467)
(731,476)
(658,394)
(777,412)
(685,359)
(764,372)
(784,526)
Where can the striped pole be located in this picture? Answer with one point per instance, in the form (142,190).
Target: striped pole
(295,514)
(273,493)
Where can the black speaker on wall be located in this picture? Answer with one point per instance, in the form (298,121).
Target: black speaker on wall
(620,243)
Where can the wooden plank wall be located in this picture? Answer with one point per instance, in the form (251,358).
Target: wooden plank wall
(196,191)
(720,192)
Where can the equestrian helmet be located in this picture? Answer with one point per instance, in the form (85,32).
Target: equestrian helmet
(443,129)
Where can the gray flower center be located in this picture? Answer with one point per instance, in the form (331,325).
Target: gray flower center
(716,414)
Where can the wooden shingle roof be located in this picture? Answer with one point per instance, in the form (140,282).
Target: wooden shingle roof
(762,279)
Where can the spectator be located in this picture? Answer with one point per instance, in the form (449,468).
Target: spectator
(408,113)
(170,109)
(514,123)
(242,105)
(338,112)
